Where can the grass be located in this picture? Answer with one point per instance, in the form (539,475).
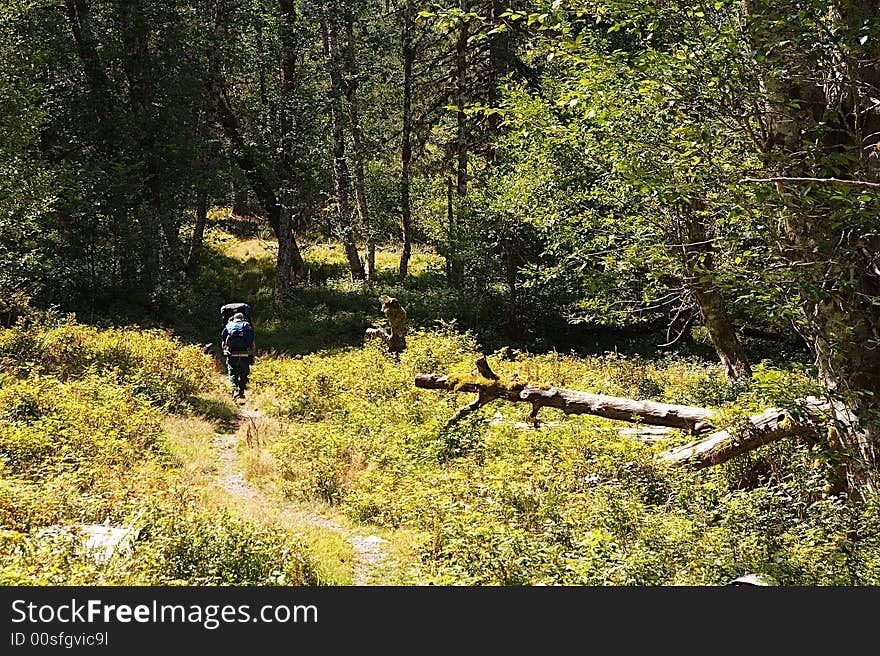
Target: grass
(323,529)
(191,443)
(346,446)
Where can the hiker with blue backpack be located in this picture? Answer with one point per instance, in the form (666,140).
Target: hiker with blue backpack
(237,339)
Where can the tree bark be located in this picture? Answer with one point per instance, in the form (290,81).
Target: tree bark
(103,104)
(242,154)
(193,259)
(455,265)
(574,402)
(357,148)
(80,21)
(770,426)
(288,260)
(135,63)
(408,56)
(395,336)
(330,29)
(500,59)
(283,264)
(240,205)
(210,150)
(818,117)
(699,266)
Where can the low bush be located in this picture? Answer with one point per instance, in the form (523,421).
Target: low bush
(572,502)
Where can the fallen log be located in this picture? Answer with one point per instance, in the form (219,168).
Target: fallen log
(769,426)
(572,402)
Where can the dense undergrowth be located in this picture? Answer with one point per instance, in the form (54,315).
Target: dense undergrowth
(82,442)
(490,500)
(573,502)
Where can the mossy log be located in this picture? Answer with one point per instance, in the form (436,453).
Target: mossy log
(571,402)
(769,426)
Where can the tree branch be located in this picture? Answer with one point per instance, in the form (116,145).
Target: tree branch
(830,181)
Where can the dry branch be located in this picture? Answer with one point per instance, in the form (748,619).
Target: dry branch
(770,426)
(573,402)
(827,181)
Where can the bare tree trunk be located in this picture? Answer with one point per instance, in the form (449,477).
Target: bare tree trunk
(240,151)
(769,426)
(574,402)
(193,259)
(455,265)
(714,316)
(283,261)
(329,28)
(360,191)
(741,436)
(408,55)
(288,258)
(207,164)
(699,265)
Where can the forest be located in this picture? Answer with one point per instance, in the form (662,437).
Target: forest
(636,244)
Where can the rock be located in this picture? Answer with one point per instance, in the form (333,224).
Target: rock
(100,541)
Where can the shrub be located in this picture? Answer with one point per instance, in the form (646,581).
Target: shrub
(158,367)
(572,502)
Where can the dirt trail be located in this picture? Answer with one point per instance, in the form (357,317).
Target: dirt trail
(367,550)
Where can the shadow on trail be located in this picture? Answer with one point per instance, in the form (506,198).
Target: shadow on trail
(224,413)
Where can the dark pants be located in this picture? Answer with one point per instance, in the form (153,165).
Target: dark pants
(239,369)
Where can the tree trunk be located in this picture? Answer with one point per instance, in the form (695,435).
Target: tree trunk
(210,150)
(408,55)
(713,314)
(345,228)
(574,402)
(449,254)
(240,204)
(240,151)
(456,265)
(288,259)
(818,117)
(135,63)
(360,191)
(80,21)
(770,426)
(283,263)
(104,106)
(500,58)
(699,266)
(193,259)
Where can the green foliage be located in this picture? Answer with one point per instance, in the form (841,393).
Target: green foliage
(81,441)
(89,423)
(197,547)
(606,146)
(176,543)
(572,502)
(157,367)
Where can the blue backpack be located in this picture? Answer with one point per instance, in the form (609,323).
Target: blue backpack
(241,335)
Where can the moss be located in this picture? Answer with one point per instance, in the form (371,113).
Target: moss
(497,386)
